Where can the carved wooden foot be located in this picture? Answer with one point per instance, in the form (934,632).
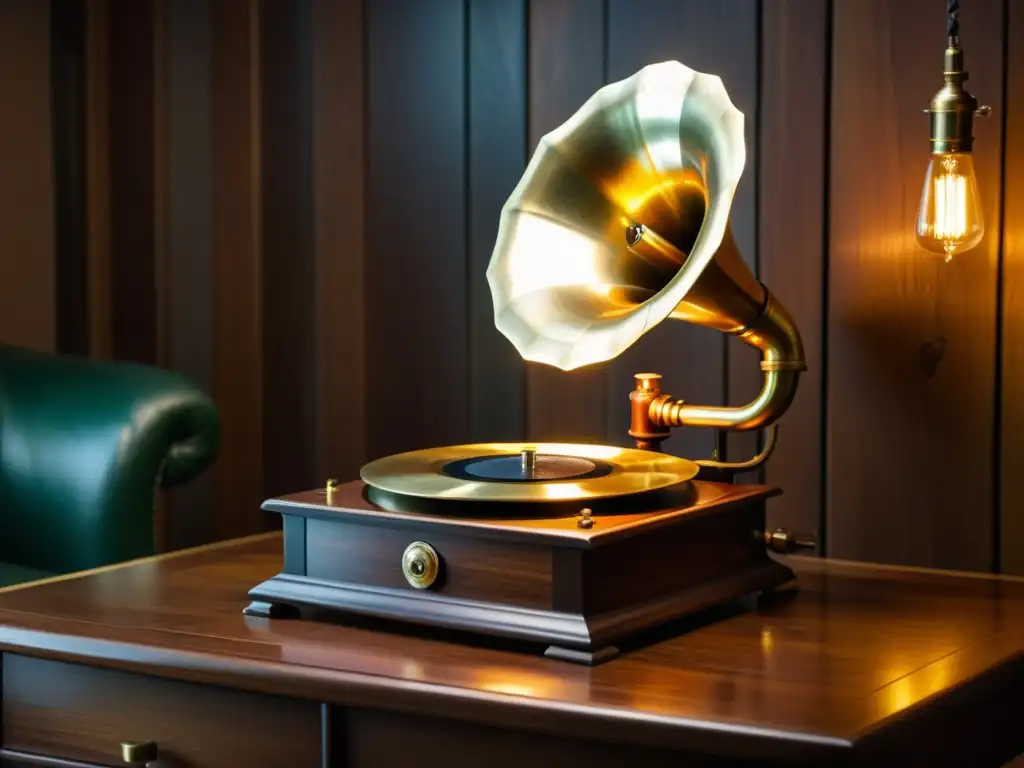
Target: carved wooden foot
(271,610)
(576,656)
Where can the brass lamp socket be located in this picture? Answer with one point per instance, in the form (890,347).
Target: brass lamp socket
(953,108)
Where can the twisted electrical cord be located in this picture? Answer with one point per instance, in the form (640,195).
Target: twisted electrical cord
(953,19)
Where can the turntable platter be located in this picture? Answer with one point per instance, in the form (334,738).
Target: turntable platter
(526,472)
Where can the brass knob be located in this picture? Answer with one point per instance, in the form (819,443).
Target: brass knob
(139,752)
(785,541)
(420,564)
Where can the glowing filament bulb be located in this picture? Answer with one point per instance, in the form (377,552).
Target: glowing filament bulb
(949,219)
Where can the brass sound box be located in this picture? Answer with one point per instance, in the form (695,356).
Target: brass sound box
(620,221)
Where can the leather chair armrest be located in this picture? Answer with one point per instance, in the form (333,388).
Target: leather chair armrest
(84,446)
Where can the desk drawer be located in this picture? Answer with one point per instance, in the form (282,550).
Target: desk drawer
(83,713)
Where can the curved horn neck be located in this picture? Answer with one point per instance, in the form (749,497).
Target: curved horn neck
(728,298)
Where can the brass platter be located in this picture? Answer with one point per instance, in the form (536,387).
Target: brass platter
(526,472)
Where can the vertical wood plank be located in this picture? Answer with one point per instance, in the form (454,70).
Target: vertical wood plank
(416,229)
(27,270)
(1012,384)
(911,340)
(718,37)
(791,231)
(161,179)
(497,157)
(163,514)
(189,265)
(566,66)
(286,74)
(238,307)
(97,151)
(339,142)
(741,71)
(132,168)
(67,61)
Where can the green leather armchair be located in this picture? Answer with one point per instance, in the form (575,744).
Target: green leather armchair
(84,447)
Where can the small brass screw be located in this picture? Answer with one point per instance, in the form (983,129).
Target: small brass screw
(585,521)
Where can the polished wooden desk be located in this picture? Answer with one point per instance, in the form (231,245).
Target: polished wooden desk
(862,665)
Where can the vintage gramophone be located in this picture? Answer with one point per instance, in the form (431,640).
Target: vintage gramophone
(620,221)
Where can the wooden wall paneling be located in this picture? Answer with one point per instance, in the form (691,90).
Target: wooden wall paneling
(97,174)
(719,37)
(161,179)
(791,231)
(566,66)
(238,276)
(416,334)
(162,512)
(27,269)
(133,181)
(496,139)
(189,306)
(1011,524)
(339,171)
(289,301)
(67,76)
(911,340)
(740,70)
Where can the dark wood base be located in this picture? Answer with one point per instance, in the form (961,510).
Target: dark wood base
(574,636)
(578,592)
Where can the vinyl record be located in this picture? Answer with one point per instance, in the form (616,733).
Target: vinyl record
(526,472)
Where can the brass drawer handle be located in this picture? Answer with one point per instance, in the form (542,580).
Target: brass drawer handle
(139,752)
(420,564)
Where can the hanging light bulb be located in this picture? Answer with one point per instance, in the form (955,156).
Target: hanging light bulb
(949,218)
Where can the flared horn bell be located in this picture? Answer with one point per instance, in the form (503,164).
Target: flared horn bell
(620,221)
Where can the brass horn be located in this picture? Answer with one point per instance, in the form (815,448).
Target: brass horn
(620,221)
